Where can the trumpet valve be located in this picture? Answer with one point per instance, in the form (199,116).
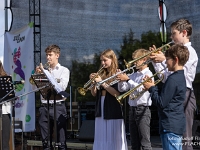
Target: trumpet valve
(98,84)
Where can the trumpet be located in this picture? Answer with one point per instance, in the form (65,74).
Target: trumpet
(87,86)
(120,98)
(162,48)
(46,66)
(98,84)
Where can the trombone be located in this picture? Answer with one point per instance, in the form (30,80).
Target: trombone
(129,64)
(87,86)
(121,97)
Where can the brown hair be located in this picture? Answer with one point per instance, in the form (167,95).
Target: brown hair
(2,71)
(182,24)
(109,53)
(179,51)
(53,48)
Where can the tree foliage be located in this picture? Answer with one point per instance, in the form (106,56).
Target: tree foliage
(130,44)
(80,76)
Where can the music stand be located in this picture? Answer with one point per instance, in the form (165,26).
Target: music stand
(6,92)
(53,92)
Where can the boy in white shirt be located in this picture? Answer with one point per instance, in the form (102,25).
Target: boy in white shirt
(139,112)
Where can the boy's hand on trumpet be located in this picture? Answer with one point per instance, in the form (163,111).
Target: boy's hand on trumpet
(158,56)
(38,70)
(148,82)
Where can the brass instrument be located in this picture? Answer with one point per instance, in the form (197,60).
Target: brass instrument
(98,84)
(129,64)
(89,84)
(46,66)
(121,97)
(31,81)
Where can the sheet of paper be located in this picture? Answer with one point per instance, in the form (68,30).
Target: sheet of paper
(53,81)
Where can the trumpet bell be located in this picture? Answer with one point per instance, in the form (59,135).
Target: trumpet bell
(120,99)
(89,84)
(82,91)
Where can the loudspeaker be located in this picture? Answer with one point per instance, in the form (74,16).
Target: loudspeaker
(73,122)
(87,131)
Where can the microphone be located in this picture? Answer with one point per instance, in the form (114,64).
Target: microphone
(18,82)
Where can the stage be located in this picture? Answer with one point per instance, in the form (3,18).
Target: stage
(75,144)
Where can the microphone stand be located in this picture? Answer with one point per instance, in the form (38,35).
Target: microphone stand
(55,122)
(16,97)
(13,109)
(13,116)
(12,120)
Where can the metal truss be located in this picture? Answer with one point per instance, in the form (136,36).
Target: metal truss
(34,16)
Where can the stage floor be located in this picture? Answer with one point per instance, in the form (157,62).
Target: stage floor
(75,144)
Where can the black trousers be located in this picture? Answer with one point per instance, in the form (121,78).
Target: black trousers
(6,127)
(139,126)
(190,107)
(61,116)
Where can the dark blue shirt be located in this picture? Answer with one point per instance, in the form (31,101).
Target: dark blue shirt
(170,103)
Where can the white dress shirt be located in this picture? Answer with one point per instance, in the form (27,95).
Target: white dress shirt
(135,79)
(60,74)
(6,108)
(189,67)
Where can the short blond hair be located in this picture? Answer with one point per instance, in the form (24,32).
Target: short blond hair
(139,53)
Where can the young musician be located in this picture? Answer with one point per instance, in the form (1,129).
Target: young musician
(139,112)
(6,117)
(170,100)
(181,31)
(109,124)
(61,76)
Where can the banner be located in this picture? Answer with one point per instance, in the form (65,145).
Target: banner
(19,63)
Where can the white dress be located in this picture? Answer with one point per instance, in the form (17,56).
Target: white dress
(109,134)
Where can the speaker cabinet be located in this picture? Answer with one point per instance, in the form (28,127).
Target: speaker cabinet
(73,121)
(87,131)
